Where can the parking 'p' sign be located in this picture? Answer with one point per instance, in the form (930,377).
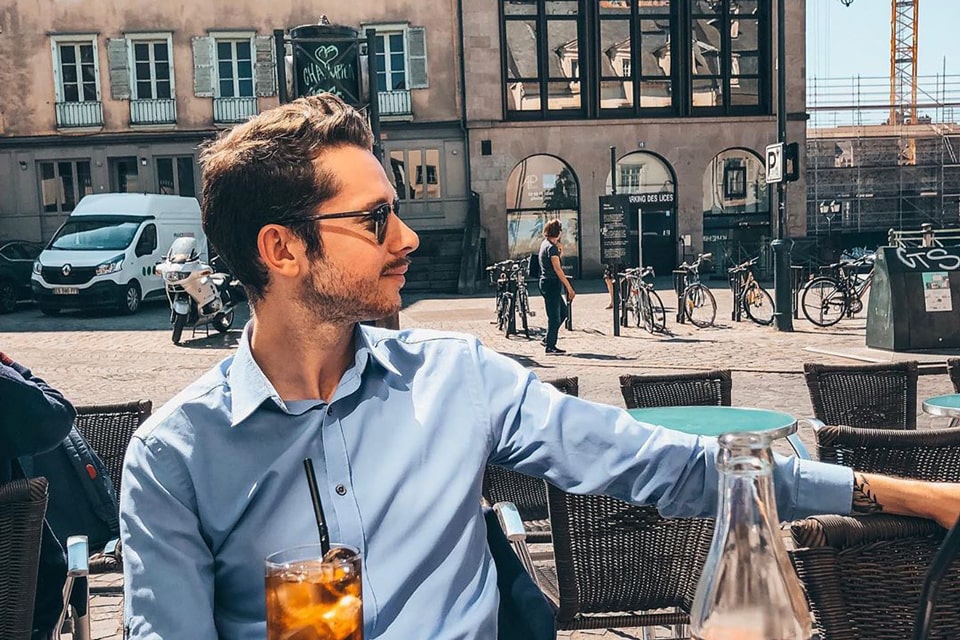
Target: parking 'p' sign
(774,163)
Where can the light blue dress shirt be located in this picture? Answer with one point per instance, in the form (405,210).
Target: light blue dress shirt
(214,482)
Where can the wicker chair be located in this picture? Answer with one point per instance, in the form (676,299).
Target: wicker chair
(863,575)
(108,428)
(875,396)
(679,389)
(932,455)
(617,563)
(953,368)
(22,507)
(527,493)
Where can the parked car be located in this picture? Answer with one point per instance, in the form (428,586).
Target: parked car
(16,265)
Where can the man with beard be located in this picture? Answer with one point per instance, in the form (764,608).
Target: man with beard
(400,424)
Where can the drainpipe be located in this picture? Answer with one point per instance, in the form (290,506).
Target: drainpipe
(469,251)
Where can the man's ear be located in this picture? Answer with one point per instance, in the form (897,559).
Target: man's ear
(281,251)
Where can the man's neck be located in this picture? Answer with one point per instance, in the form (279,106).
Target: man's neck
(302,360)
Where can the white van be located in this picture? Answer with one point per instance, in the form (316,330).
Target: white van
(105,253)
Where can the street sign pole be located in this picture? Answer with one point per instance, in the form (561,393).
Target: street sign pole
(615,267)
(783,301)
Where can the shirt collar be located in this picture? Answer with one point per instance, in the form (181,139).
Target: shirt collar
(250,388)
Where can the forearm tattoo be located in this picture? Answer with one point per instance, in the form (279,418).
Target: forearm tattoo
(864,500)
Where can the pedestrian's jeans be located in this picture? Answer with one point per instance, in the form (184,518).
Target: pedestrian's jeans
(555,306)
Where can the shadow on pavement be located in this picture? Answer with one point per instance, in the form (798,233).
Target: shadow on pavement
(599,356)
(215,340)
(525,361)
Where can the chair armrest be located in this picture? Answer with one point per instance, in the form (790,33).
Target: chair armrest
(78,556)
(510,521)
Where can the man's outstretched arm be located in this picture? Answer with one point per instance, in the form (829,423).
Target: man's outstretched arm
(938,501)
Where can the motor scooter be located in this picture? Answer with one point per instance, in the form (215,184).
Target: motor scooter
(198,295)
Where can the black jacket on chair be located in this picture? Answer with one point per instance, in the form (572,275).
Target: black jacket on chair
(524,613)
(34,417)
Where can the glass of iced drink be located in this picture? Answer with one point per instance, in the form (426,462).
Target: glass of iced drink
(314,596)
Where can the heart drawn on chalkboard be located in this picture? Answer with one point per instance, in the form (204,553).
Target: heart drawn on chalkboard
(326,54)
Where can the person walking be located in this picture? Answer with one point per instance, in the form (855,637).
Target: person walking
(552,278)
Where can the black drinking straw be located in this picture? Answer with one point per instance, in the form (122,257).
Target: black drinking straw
(317,507)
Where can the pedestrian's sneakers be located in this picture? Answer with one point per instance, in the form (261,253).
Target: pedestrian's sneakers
(554,350)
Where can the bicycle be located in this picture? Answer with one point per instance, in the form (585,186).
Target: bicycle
(643,301)
(749,295)
(697,301)
(827,299)
(509,277)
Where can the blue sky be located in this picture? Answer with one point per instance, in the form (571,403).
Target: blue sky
(855,40)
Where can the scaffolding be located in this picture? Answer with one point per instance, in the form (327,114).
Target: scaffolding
(860,184)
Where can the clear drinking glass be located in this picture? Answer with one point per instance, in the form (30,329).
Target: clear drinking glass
(312,596)
(748,589)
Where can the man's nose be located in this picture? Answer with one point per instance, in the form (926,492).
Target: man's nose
(408,238)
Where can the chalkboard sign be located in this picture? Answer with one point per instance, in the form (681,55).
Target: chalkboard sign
(326,59)
(915,299)
(616,225)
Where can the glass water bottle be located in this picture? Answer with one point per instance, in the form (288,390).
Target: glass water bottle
(748,589)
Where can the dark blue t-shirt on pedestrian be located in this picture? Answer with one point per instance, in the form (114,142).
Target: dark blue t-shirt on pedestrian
(547,251)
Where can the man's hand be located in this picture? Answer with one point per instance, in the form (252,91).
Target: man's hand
(571,294)
(939,501)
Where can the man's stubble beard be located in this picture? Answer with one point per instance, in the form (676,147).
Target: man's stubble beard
(329,296)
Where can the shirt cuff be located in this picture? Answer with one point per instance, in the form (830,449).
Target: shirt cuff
(823,488)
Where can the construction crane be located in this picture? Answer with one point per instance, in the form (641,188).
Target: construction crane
(903,71)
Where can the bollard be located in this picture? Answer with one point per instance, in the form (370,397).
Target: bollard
(679,284)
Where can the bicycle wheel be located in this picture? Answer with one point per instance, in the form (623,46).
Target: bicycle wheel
(699,305)
(646,313)
(658,312)
(510,326)
(823,302)
(758,304)
(524,312)
(503,305)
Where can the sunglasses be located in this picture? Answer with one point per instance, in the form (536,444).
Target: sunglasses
(378,214)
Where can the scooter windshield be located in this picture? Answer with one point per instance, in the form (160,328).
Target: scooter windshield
(183,250)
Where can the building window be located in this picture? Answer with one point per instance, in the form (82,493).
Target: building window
(234,68)
(628,58)
(62,184)
(734,182)
(77,74)
(543,57)
(391,60)
(725,56)
(151,69)
(175,176)
(416,173)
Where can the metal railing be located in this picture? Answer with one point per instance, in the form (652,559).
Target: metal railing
(861,100)
(234,109)
(395,103)
(79,114)
(926,236)
(153,111)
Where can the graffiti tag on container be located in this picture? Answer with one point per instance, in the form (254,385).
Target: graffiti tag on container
(928,259)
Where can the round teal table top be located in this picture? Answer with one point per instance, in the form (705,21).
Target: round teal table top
(948,405)
(716,420)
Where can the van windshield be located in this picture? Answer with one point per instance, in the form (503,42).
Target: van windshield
(95,234)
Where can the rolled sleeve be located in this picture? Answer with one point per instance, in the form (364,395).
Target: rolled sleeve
(818,487)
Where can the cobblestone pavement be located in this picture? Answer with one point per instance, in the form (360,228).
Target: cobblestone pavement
(97,358)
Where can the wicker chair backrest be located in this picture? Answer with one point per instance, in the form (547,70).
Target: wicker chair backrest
(613,556)
(22,506)
(932,455)
(875,396)
(862,576)
(680,389)
(108,429)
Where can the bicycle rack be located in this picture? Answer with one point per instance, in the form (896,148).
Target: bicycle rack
(679,284)
(736,287)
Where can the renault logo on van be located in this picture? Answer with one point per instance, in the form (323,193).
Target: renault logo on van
(66,270)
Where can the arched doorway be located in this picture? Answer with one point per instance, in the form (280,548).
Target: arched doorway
(650,183)
(736,207)
(541,188)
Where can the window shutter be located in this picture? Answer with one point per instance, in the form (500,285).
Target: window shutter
(265,66)
(119,63)
(203,67)
(417,48)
